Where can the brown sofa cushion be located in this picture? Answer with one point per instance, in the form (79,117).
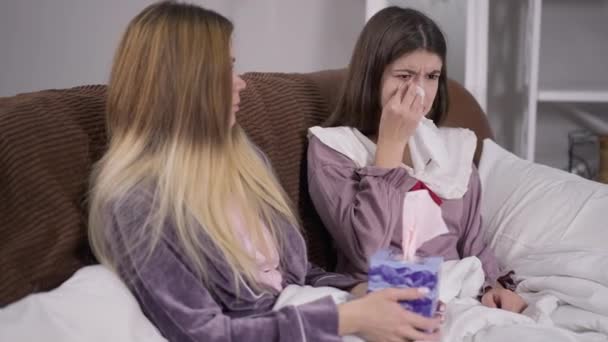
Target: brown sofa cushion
(50,139)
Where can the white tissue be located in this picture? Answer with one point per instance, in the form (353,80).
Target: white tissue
(442,158)
(420,92)
(422,221)
(426,146)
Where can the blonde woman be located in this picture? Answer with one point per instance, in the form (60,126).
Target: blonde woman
(185,209)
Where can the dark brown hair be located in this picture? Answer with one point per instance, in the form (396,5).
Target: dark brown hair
(388,35)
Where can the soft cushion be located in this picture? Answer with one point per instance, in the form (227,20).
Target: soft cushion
(48,142)
(93,305)
(527,208)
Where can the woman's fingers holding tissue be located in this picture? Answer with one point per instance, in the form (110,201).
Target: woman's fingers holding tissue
(402,91)
(409,95)
(399,120)
(397,95)
(417,106)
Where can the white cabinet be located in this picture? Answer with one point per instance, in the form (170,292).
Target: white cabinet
(549,74)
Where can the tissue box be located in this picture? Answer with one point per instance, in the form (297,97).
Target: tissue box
(389,270)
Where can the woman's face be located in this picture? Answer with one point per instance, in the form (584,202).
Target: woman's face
(238,84)
(421,68)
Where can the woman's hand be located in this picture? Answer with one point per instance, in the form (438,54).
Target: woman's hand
(502,298)
(359,290)
(401,115)
(378,316)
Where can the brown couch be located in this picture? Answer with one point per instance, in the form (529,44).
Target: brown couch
(50,139)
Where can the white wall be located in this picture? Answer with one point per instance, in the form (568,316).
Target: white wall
(59,43)
(296,35)
(64,43)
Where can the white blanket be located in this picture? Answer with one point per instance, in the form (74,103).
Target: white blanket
(572,307)
(566,288)
(298,295)
(561,308)
(93,306)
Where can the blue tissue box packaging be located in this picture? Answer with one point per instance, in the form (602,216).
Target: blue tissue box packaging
(389,270)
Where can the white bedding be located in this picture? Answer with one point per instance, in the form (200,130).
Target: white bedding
(560,309)
(550,227)
(92,306)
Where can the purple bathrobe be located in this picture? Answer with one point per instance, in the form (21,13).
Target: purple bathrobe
(363,210)
(184,309)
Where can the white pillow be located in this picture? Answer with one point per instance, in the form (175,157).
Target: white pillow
(529,208)
(93,306)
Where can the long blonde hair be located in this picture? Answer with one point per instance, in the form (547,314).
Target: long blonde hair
(168,120)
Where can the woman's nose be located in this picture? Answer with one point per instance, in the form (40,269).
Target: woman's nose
(240,83)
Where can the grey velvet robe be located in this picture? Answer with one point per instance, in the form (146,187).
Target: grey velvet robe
(363,210)
(184,309)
